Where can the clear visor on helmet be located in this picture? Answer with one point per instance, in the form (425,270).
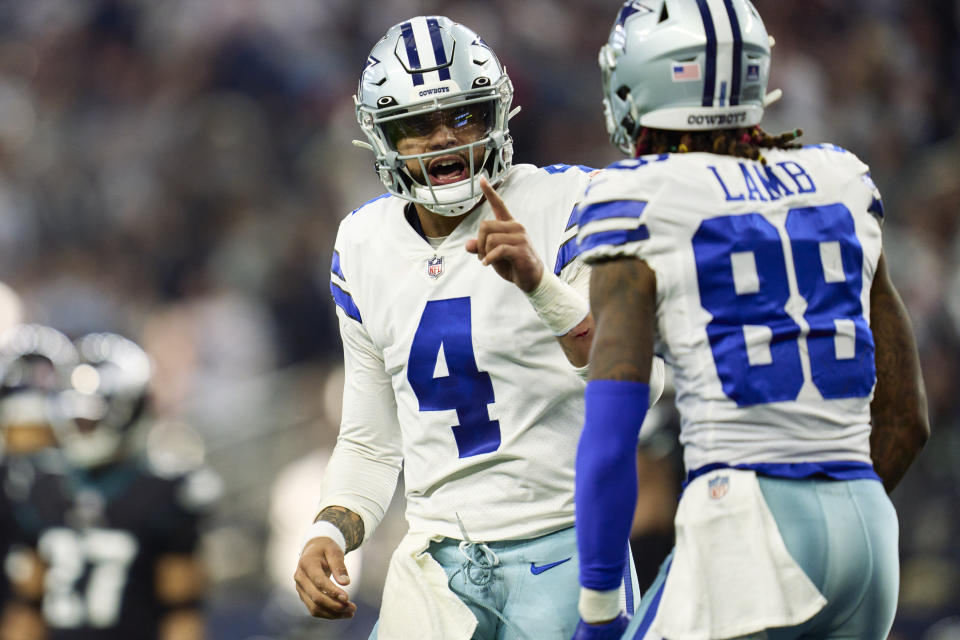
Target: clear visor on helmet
(446,145)
(469,122)
(441,172)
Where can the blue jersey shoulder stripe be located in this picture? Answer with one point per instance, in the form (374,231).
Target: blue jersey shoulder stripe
(614,238)
(568,251)
(825,146)
(636,163)
(876,204)
(335,266)
(370,201)
(574,218)
(345,301)
(563,168)
(612,209)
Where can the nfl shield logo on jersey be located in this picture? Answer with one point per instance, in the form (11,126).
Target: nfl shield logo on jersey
(718,487)
(435,267)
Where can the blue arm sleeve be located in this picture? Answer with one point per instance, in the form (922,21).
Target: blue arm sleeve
(606,478)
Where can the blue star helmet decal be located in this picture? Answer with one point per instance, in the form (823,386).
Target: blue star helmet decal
(479,41)
(629,9)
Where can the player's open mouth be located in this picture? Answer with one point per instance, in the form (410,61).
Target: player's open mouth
(447,169)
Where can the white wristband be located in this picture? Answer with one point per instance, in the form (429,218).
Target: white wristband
(323,529)
(598,606)
(558,304)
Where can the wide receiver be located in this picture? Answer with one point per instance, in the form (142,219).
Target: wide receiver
(454,369)
(756,268)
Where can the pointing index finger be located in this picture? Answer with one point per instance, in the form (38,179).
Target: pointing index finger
(500,210)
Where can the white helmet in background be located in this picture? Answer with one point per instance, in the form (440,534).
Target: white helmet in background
(105,398)
(425,71)
(33,360)
(684,65)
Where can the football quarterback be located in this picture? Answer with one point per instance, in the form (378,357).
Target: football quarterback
(453,291)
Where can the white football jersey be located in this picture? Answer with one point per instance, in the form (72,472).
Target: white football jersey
(763,295)
(443,350)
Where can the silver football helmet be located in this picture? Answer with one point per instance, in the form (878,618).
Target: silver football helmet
(426,72)
(104,400)
(33,359)
(684,65)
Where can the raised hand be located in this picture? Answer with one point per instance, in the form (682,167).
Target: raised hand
(503,243)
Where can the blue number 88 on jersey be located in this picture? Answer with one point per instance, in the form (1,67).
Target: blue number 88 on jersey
(743,274)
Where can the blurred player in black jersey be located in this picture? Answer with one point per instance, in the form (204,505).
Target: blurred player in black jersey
(33,359)
(116,542)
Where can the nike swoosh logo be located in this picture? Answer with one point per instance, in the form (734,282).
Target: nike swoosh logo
(535,570)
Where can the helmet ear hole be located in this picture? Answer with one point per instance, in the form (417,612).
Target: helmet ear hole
(664,15)
(623,92)
(386,101)
(482,81)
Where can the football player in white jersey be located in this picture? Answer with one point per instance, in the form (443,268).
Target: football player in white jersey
(452,367)
(755,267)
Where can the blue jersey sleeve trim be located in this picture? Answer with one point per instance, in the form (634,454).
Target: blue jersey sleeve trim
(614,238)
(371,201)
(345,301)
(635,163)
(831,469)
(574,218)
(611,209)
(335,265)
(563,168)
(825,146)
(568,252)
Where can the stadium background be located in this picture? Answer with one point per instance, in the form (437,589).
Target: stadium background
(176,170)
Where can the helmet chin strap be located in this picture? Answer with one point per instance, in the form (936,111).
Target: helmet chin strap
(457,198)
(460,200)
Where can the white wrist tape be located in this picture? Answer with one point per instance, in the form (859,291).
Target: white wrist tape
(558,304)
(598,606)
(323,529)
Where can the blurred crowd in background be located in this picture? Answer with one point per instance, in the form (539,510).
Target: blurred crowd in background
(175,172)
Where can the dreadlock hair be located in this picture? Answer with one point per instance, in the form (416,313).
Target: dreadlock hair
(746,142)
